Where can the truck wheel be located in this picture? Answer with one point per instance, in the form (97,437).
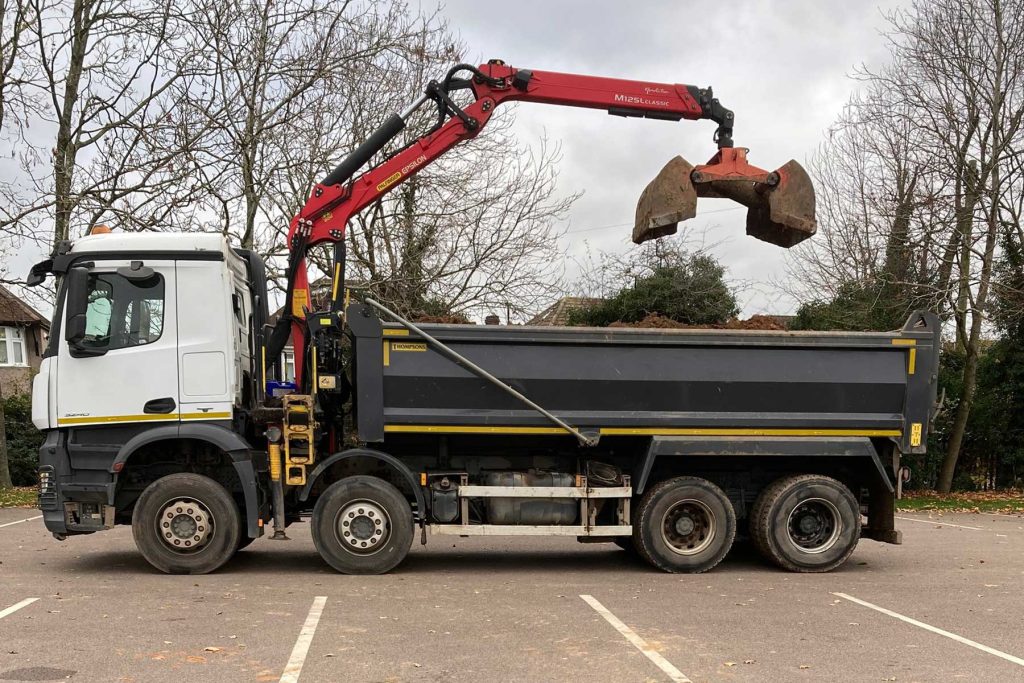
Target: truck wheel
(362,525)
(186,524)
(684,525)
(806,523)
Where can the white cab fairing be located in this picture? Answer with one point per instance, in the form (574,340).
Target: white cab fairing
(206,353)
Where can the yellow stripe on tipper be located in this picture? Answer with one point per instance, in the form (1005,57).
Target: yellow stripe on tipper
(387,353)
(728,431)
(396,333)
(911,356)
(638,431)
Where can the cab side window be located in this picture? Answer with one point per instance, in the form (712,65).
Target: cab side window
(123,313)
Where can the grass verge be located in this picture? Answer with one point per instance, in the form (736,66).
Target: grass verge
(1007,502)
(18,497)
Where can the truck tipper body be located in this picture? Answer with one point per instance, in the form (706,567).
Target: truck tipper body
(153,397)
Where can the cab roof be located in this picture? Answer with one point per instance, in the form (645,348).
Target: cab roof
(153,241)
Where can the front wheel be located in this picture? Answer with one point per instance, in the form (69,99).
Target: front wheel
(186,524)
(684,525)
(806,523)
(362,525)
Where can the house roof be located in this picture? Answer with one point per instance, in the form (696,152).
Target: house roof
(15,311)
(558,312)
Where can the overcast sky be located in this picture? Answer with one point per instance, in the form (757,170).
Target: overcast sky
(781,66)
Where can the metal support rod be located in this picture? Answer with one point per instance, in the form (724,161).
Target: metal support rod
(480,372)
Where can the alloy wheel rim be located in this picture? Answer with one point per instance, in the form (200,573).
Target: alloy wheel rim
(688,527)
(185,525)
(814,525)
(362,527)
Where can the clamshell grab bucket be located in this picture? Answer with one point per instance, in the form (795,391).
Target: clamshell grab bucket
(780,203)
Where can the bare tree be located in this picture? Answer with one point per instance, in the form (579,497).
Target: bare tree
(916,192)
(473,232)
(876,193)
(15,70)
(277,70)
(105,72)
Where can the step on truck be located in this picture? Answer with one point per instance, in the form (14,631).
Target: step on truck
(165,406)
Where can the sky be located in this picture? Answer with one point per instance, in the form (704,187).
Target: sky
(783,67)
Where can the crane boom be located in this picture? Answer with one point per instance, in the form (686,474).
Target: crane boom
(671,198)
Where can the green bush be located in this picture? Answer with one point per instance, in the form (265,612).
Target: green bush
(23,439)
(692,290)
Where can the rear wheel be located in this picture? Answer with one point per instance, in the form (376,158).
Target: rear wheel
(806,523)
(186,524)
(684,525)
(362,525)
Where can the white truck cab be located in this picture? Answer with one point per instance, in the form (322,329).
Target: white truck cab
(151,360)
(164,336)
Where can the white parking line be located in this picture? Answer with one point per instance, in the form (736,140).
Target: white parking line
(298,658)
(960,639)
(639,643)
(14,608)
(20,521)
(932,521)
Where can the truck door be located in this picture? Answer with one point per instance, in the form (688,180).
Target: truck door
(126,369)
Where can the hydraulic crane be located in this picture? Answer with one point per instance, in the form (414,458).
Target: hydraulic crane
(781,203)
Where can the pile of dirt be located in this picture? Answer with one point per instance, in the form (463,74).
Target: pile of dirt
(653,320)
(451,319)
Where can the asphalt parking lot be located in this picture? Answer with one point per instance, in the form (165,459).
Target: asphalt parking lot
(945,605)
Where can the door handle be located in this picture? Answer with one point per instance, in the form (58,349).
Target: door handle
(159,405)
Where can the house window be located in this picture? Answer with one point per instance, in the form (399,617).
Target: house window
(12,346)
(288,366)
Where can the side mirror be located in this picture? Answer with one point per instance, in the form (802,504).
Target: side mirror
(76,303)
(39,271)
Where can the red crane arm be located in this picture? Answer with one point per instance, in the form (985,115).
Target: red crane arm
(335,200)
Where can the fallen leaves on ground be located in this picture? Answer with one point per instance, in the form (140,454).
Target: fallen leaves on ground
(1008,501)
(18,497)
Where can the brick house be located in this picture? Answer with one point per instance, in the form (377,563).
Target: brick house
(23,333)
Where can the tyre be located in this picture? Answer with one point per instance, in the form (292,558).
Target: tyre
(684,525)
(362,525)
(806,523)
(186,524)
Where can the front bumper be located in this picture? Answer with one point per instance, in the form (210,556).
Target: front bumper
(72,501)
